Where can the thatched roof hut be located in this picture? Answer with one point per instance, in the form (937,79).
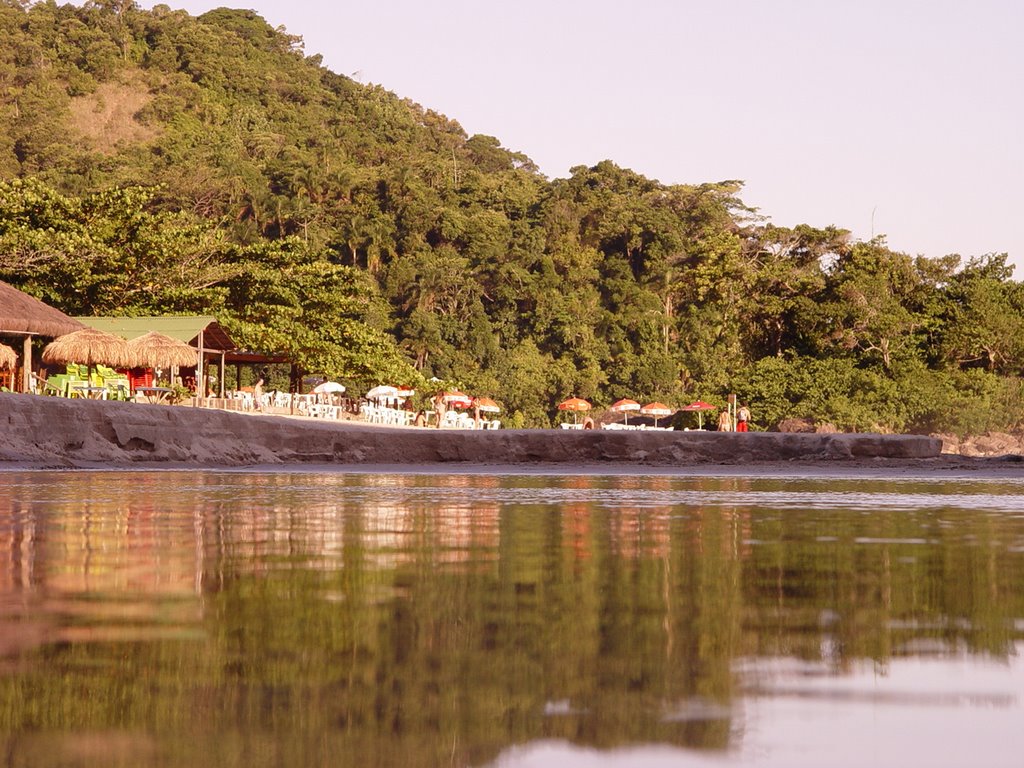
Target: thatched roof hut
(26,316)
(23,314)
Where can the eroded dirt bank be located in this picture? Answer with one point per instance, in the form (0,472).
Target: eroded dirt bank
(44,431)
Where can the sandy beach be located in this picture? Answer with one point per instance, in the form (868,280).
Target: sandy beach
(41,432)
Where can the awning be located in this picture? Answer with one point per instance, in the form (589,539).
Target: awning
(184,328)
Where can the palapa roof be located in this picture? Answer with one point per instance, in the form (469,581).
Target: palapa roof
(24,314)
(184,328)
(8,357)
(88,346)
(158,350)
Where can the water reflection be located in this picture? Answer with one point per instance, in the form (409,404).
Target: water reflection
(300,619)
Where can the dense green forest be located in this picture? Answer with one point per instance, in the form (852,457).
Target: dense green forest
(152,162)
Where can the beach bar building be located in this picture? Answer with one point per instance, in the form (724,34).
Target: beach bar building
(26,317)
(211,341)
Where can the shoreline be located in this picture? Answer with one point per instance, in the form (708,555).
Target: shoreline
(942,469)
(53,433)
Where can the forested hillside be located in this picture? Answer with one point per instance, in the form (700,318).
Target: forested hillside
(153,162)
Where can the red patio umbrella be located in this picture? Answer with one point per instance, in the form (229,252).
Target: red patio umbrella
(699,406)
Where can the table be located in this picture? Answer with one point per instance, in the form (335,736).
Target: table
(93,393)
(154,395)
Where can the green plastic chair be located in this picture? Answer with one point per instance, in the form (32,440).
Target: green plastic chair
(57,385)
(118,387)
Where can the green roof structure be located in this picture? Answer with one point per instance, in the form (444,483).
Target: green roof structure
(216,343)
(186,328)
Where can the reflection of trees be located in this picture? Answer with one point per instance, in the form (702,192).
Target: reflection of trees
(882,585)
(415,620)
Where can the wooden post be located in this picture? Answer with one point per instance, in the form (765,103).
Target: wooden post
(26,364)
(200,374)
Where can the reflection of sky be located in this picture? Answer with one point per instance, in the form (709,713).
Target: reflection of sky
(922,711)
(647,490)
(936,712)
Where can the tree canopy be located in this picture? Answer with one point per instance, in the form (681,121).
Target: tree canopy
(153,162)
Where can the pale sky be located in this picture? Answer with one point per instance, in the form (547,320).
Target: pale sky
(885,117)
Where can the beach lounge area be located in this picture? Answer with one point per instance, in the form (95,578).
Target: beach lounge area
(185,360)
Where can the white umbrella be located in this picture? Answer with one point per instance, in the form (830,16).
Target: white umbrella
(328,388)
(382,391)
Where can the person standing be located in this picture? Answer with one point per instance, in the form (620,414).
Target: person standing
(257,394)
(439,408)
(742,418)
(724,421)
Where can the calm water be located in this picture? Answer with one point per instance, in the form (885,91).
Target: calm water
(308,619)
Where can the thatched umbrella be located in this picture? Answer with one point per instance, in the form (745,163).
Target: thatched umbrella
(89,347)
(158,350)
(8,357)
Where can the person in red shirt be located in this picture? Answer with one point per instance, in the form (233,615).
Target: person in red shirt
(742,417)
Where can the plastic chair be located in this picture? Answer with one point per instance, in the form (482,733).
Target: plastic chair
(117,388)
(57,384)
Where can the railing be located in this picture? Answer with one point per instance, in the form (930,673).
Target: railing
(326,407)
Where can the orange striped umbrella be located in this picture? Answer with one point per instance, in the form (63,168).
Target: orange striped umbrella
(624,406)
(574,404)
(656,409)
(486,405)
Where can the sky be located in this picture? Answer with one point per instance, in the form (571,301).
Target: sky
(900,118)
